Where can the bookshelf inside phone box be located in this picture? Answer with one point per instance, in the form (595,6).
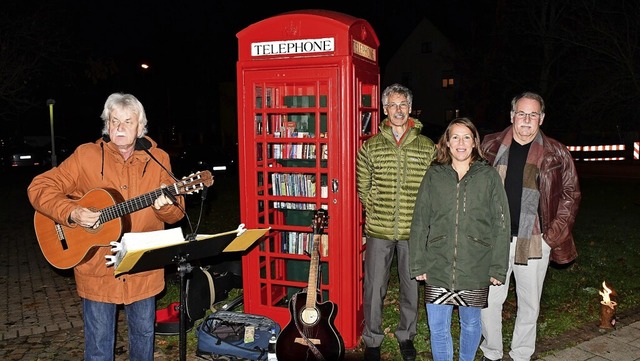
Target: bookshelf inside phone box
(308,97)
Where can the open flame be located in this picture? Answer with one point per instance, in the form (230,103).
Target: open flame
(606,300)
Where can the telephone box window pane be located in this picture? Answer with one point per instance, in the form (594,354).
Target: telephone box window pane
(366,100)
(300,101)
(258,97)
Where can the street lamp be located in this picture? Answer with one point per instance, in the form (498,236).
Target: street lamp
(54,161)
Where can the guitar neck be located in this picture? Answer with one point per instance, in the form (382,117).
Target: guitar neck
(313,272)
(133,204)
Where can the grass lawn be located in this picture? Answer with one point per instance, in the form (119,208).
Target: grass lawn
(607,234)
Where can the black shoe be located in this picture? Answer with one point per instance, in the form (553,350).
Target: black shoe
(484,358)
(372,354)
(407,350)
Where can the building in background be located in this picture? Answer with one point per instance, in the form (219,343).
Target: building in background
(423,62)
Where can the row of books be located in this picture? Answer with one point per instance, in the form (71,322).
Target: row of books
(293,184)
(302,242)
(298,151)
(291,101)
(296,185)
(300,206)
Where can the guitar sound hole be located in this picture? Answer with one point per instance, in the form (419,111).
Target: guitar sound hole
(309,316)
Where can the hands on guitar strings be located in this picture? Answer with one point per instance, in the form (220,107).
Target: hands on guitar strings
(192,235)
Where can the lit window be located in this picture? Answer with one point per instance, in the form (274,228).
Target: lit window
(448,82)
(451,114)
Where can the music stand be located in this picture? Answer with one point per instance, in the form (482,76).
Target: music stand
(180,254)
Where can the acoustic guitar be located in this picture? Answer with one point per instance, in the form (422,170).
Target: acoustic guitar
(66,247)
(311,334)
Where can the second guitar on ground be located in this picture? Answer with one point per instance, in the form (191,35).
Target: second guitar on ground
(311,334)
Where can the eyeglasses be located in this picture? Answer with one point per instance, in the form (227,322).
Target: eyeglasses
(396,106)
(522,115)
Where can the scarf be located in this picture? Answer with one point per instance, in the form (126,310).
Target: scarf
(529,241)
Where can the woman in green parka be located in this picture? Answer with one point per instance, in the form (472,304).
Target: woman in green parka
(459,241)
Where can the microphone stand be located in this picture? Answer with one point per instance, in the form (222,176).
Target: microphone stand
(184,268)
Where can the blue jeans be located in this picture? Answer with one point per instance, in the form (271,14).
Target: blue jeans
(100,326)
(439,318)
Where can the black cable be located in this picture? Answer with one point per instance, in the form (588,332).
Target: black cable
(192,236)
(140,145)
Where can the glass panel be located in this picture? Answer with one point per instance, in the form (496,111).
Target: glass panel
(300,101)
(258,93)
(298,270)
(366,100)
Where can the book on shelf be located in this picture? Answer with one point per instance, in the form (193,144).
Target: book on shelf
(300,243)
(324,245)
(300,134)
(269,96)
(324,191)
(258,119)
(366,123)
(277,147)
(289,127)
(293,184)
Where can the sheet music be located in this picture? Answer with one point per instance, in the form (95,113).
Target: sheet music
(133,245)
(134,241)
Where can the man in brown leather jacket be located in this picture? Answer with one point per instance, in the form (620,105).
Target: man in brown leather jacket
(544,195)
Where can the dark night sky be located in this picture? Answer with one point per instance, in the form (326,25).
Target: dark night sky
(180,30)
(163,30)
(191,47)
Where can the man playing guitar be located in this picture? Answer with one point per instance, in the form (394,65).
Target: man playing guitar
(127,163)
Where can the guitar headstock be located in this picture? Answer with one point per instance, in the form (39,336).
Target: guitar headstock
(320,221)
(194,183)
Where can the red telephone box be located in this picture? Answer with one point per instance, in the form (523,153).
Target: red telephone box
(308,96)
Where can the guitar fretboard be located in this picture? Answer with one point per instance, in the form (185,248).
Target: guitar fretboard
(133,204)
(313,272)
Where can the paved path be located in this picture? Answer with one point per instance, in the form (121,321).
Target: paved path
(623,344)
(38,298)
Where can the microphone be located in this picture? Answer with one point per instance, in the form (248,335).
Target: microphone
(141,144)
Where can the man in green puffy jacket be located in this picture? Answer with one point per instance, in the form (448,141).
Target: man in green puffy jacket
(390,167)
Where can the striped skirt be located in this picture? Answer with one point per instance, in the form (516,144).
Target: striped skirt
(468,298)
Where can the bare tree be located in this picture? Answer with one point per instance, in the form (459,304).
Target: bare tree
(581,55)
(606,39)
(32,45)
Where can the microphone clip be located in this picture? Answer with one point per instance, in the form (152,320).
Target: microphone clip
(166,192)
